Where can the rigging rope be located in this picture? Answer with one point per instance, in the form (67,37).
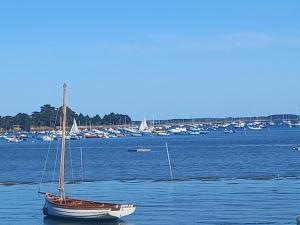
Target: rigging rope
(47,156)
(55,163)
(72,171)
(44,169)
(71,162)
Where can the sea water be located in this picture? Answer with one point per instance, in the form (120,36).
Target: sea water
(243,178)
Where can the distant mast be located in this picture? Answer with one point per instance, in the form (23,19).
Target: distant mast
(153,123)
(63,139)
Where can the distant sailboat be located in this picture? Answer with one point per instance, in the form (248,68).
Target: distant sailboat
(143,126)
(65,207)
(74,128)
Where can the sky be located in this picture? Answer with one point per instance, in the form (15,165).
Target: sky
(167,59)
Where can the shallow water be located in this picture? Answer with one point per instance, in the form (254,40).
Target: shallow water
(185,202)
(243,178)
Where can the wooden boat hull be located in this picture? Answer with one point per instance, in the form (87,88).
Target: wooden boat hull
(91,213)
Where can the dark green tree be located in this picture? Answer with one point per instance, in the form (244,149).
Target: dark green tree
(116,119)
(50,116)
(36,119)
(46,117)
(71,115)
(23,120)
(81,119)
(96,120)
(87,120)
(7,123)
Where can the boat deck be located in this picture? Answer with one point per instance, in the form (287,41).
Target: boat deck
(82,204)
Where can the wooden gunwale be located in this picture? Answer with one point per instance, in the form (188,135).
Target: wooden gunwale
(70,203)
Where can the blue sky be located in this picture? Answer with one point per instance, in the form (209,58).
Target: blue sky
(163,58)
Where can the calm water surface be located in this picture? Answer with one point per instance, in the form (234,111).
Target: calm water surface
(242,178)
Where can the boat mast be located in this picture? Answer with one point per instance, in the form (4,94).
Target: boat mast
(62,153)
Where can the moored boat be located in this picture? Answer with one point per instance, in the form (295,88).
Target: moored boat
(14,139)
(143,126)
(297,148)
(47,138)
(204,131)
(160,132)
(140,150)
(70,208)
(82,209)
(254,127)
(90,135)
(190,132)
(228,131)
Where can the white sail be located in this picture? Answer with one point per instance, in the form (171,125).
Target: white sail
(74,128)
(143,125)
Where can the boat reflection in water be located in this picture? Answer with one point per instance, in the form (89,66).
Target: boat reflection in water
(58,221)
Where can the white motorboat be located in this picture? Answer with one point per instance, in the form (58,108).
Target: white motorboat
(228,131)
(254,127)
(204,131)
(47,138)
(13,139)
(178,130)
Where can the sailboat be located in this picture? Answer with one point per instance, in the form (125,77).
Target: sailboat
(74,132)
(74,128)
(71,208)
(143,125)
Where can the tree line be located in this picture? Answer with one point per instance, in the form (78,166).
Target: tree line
(49,116)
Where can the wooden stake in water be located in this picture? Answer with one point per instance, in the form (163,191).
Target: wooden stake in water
(170,167)
(81,164)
